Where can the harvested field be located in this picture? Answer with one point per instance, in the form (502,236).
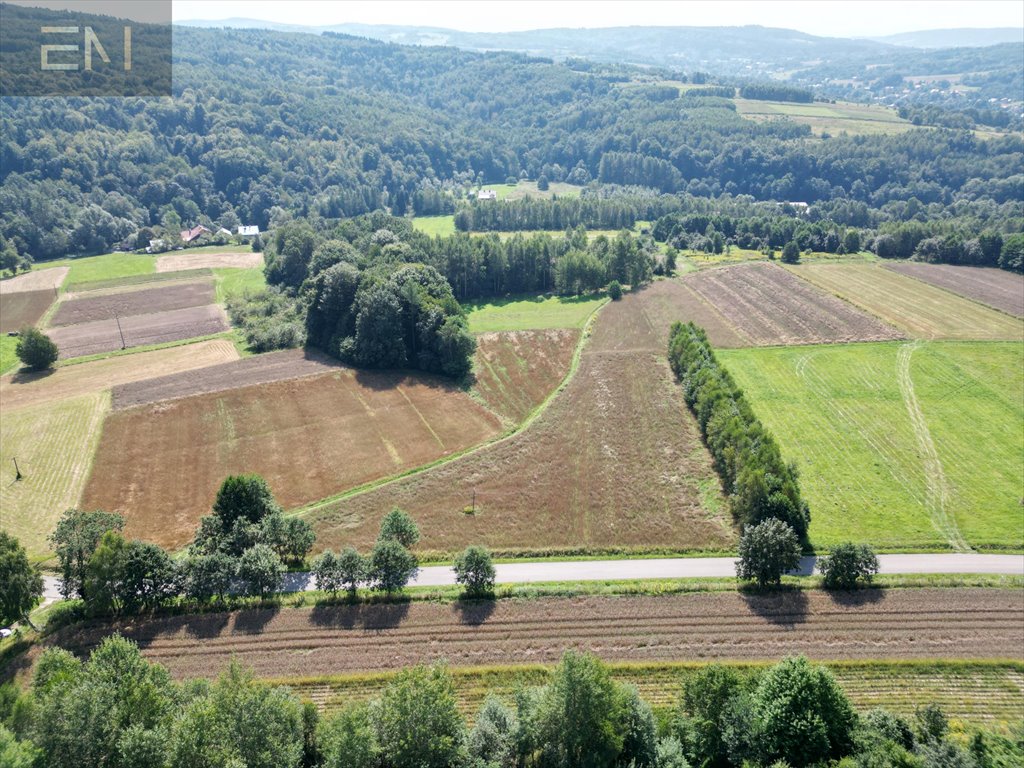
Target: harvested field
(54,445)
(21,390)
(516,371)
(912,445)
(310,438)
(23,308)
(139,330)
(176,262)
(922,310)
(36,280)
(994,287)
(249,371)
(768,306)
(340,639)
(127,303)
(615,461)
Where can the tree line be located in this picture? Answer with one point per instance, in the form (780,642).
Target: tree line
(118,710)
(760,485)
(591,211)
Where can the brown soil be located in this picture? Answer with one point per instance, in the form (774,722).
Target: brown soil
(615,461)
(310,438)
(176,262)
(20,390)
(767,305)
(23,308)
(330,640)
(516,370)
(994,287)
(249,371)
(36,280)
(139,330)
(73,311)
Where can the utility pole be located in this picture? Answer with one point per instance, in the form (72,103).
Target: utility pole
(17,472)
(119,330)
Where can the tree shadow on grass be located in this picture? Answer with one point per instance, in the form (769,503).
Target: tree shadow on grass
(474,612)
(782,606)
(25,376)
(365,616)
(254,620)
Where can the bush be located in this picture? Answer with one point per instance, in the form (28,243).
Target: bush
(35,349)
(847,565)
(474,570)
(767,550)
(398,526)
(261,570)
(791,253)
(391,566)
(614,290)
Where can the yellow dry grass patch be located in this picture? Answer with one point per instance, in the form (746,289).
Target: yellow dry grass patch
(54,445)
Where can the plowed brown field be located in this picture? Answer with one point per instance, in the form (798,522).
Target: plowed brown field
(615,461)
(769,306)
(139,330)
(310,438)
(516,370)
(328,640)
(995,287)
(24,389)
(124,303)
(21,308)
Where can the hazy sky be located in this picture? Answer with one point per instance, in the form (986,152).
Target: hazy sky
(843,18)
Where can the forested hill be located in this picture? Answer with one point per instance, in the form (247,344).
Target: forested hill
(336,126)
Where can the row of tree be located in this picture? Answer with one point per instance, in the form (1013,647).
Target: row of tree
(118,710)
(559,213)
(759,483)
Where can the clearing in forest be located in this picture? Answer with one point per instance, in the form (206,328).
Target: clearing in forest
(138,330)
(21,308)
(344,639)
(994,287)
(54,444)
(900,445)
(831,119)
(21,390)
(94,306)
(615,461)
(309,437)
(768,306)
(530,313)
(920,309)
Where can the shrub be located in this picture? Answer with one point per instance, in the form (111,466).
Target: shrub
(391,566)
(767,550)
(847,565)
(791,253)
(35,349)
(398,526)
(474,570)
(614,290)
(261,570)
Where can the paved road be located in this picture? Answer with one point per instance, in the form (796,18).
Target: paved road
(666,568)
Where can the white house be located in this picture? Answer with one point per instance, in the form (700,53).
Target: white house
(486,194)
(252,231)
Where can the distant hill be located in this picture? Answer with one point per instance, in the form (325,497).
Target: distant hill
(954,38)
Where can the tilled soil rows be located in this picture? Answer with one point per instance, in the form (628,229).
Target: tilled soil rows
(143,301)
(138,330)
(769,306)
(330,640)
(994,287)
(22,308)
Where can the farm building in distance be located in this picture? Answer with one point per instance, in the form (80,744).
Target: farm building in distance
(191,235)
(486,194)
(250,231)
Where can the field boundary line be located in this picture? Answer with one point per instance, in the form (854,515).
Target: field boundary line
(522,427)
(936,485)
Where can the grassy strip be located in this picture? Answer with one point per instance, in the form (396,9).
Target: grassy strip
(143,279)
(146,348)
(8,358)
(525,424)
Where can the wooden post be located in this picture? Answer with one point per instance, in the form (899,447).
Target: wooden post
(119,330)
(17,472)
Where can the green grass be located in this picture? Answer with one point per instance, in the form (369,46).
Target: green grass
(700,260)
(234,282)
(109,266)
(533,313)
(144,279)
(435,226)
(870,471)
(8,360)
(854,119)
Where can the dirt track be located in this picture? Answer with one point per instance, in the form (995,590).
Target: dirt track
(891,624)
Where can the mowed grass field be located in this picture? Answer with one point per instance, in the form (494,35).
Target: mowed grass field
(54,445)
(531,313)
(854,119)
(922,310)
(902,445)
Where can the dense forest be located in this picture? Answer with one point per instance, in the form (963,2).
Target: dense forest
(335,126)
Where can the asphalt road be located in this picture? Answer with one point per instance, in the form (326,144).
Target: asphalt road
(664,568)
